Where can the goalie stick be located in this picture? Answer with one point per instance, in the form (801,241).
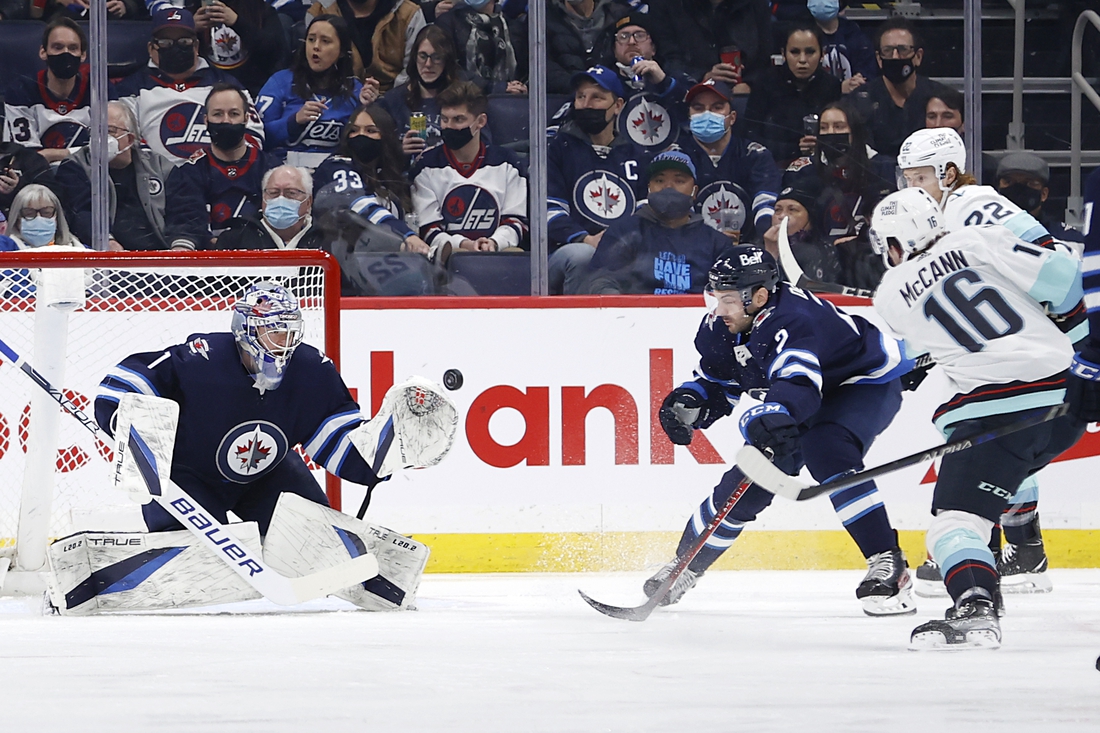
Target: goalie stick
(796,276)
(211,533)
(762,472)
(641,613)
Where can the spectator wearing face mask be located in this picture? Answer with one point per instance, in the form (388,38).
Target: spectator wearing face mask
(593,177)
(285,221)
(136,196)
(1024,179)
(218,184)
(814,255)
(799,88)
(847,53)
(895,103)
(466,194)
(664,248)
(492,50)
(738,179)
(50,111)
(37,220)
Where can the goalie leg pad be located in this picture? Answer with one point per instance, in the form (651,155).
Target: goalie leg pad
(95,572)
(415,428)
(305,536)
(154,419)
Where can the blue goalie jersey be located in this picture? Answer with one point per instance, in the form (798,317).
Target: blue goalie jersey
(799,348)
(228,432)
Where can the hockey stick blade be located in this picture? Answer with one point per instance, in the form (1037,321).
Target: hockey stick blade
(641,613)
(276,587)
(797,276)
(758,468)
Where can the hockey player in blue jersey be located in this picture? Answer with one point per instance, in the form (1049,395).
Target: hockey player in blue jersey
(829,385)
(1083,386)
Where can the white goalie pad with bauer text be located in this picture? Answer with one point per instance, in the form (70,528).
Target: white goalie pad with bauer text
(154,419)
(305,536)
(415,428)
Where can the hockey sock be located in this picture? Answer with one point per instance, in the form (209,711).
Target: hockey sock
(745,510)
(1021,518)
(861,511)
(964,559)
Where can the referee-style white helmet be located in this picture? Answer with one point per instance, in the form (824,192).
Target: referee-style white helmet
(909,219)
(932,147)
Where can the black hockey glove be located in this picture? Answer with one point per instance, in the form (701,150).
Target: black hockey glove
(692,405)
(912,379)
(1083,384)
(770,427)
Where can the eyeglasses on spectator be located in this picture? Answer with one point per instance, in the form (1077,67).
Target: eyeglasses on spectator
(47,212)
(900,51)
(638,36)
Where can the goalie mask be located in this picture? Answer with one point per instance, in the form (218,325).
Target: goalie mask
(267,325)
(909,219)
(744,269)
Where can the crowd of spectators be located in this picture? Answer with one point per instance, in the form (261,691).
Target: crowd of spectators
(690,125)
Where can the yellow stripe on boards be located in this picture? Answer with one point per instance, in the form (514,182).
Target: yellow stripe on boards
(775,550)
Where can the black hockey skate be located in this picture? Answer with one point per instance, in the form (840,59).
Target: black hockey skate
(683,584)
(1023,568)
(929,583)
(970,624)
(887,589)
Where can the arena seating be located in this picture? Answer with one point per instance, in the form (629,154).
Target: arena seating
(127,47)
(493,273)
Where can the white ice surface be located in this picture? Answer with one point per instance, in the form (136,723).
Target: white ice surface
(744,651)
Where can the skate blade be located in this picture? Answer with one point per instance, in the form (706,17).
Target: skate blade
(928,589)
(935,641)
(898,605)
(1026,583)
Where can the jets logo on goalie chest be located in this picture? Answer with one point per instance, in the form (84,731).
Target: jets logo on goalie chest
(250,450)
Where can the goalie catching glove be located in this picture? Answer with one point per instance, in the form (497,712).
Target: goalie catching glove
(152,422)
(415,428)
(693,405)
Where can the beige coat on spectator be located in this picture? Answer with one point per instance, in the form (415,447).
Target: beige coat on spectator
(393,37)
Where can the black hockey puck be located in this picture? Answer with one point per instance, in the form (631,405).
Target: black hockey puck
(452,379)
(1098,664)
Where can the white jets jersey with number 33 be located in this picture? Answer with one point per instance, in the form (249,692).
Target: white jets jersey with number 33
(974,301)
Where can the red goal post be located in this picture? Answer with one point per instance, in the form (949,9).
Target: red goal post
(73,315)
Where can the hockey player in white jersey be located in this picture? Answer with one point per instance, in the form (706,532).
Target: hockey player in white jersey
(976,300)
(935,160)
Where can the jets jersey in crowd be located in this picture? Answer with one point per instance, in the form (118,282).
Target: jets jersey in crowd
(971,205)
(336,181)
(590,186)
(737,190)
(799,348)
(278,104)
(204,193)
(228,433)
(963,298)
(171,114)
(486,198)
(35,118)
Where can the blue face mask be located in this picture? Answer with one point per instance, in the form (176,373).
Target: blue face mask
(282,213)
(38,231)
(477,4)
(823,10)
(708,127)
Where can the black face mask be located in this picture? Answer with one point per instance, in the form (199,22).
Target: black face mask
(834,146)
(63,65)
(225,135)
(898,70)
(670,204)
(440,81)
(456,139)
(365,149)
(591,121)
(176,60)
(1023,195)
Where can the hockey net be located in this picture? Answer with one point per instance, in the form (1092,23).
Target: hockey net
(132,302)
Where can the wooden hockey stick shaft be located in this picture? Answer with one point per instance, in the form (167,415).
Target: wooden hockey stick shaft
(761,470)
(212,534)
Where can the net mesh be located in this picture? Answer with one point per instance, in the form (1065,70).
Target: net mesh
(125,311)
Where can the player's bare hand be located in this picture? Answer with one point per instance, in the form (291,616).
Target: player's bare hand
(116,8)
(651,70)
(412,143)
(722,72)
(516,87)
(9,179)
(593,240)
(415,244)
(372,88)
(310,111)
(850,85)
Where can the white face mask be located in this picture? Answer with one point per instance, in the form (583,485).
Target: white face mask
(113,150)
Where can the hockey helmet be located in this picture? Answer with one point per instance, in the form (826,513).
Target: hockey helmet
(909,219)
(267,324)
(935,147)
(744,268)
